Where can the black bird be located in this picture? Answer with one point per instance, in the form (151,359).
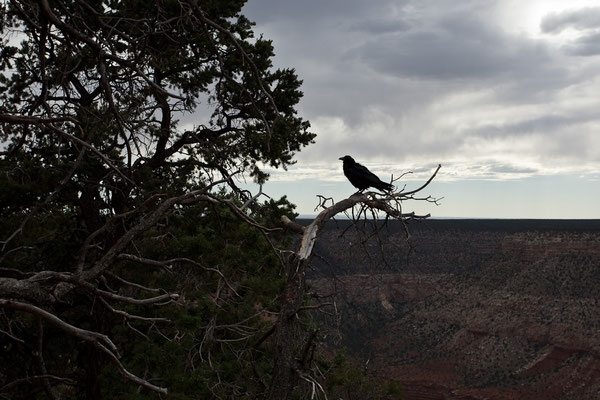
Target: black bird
(361,178)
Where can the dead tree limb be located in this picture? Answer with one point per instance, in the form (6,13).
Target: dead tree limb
(98,340)
(288,334)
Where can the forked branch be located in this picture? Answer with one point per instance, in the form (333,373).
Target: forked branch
(389,204)
(98,340)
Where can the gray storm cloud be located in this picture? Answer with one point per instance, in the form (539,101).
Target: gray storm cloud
(429,81)
(581,19)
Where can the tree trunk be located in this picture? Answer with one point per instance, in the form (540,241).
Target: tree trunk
(289,335)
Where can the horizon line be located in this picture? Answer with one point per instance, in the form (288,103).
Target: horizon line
(312,216)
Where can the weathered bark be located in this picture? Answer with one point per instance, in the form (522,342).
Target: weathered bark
(291,338)
(26,289)
(289,335)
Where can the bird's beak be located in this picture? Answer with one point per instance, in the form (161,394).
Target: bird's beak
(341,158)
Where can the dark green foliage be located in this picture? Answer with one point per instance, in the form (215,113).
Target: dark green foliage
(92,148)
(206,345)
(124,128)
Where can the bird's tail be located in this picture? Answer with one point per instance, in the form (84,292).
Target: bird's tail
(385,187)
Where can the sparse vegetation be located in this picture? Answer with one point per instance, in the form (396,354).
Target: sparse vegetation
(500,305)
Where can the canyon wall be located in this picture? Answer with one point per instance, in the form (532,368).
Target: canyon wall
(468,309)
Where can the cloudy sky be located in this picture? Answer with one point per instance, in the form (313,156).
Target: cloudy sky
(504,94)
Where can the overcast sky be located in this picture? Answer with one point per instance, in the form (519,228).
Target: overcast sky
(504,94)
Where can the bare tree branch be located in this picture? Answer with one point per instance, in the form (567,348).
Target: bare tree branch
(287,332)
(424,185)
(98,340)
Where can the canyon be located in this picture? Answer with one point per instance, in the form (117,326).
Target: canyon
(466,309)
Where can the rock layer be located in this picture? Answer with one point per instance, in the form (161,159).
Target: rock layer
(504,310)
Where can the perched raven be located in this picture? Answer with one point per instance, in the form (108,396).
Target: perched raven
(361,178)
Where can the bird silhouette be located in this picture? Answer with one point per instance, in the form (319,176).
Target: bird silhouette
(361,178)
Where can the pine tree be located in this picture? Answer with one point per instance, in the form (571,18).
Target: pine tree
(127,247)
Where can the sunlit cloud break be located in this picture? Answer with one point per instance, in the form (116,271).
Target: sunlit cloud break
(502,91)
